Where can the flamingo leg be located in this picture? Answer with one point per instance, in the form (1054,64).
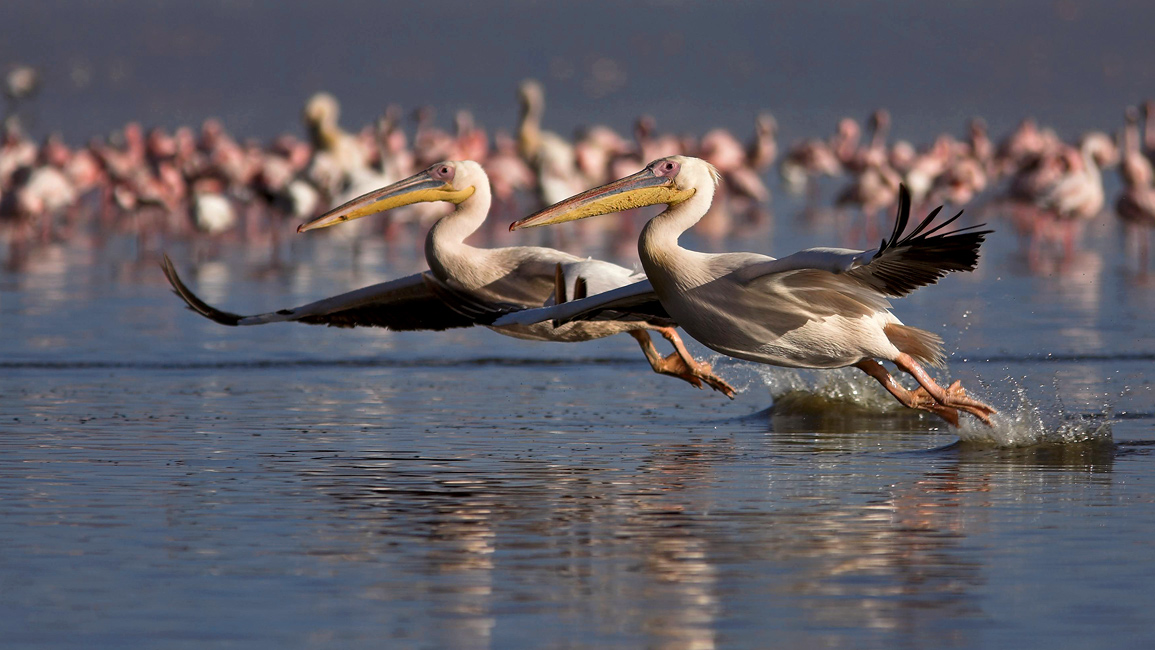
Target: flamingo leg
(916,399)
(1070,231)
(954,395)
(1144,242)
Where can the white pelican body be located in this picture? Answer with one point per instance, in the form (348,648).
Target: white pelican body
(770,321)
(819,308)
(466,286)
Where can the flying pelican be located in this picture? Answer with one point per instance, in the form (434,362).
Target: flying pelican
(819,308)
(463,280)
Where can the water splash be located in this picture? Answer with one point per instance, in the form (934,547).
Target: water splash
(1025,423)
(843,386)
(1021,421)
(797,392)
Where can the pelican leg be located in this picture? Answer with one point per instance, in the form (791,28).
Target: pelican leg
(916,399)
(700,369)
(660,364)
(953,395)
(675,366)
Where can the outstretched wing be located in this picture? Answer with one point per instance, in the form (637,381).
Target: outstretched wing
(899,265)
(635,302)
(407,303)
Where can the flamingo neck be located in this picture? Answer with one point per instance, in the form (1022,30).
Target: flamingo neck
(1135,169)
(1090,165)
(1149,128)
(1131,138)
(446,239)
(845,145)
(878,136)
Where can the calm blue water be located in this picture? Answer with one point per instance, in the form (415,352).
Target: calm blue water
(168,482)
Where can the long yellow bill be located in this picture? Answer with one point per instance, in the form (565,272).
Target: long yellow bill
(634,191)
(416,189)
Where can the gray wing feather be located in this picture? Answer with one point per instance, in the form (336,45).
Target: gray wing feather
(404,304)
(634,302)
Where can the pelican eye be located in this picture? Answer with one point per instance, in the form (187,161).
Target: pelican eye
(667,168)
(442,172)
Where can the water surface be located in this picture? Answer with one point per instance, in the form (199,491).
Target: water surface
(168,482)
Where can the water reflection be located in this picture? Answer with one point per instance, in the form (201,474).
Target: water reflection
(674,546)
(897,562)
(1078,462)
(560,528)
(666,537)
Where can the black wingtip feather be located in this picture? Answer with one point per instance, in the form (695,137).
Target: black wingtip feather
(192,301)
(943,224)
(900,219)
(902,264)
(927,221)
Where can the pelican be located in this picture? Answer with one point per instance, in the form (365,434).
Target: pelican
(464,283)
(818,308)
(552,157)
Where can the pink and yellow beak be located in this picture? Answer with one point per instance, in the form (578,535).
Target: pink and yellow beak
(634,191)
(418,188)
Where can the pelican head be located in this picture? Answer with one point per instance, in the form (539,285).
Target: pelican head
(451,180)
(668,181)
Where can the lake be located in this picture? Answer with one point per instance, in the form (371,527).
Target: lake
(168,482)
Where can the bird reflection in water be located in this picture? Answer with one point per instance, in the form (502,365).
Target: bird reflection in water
(670,545)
